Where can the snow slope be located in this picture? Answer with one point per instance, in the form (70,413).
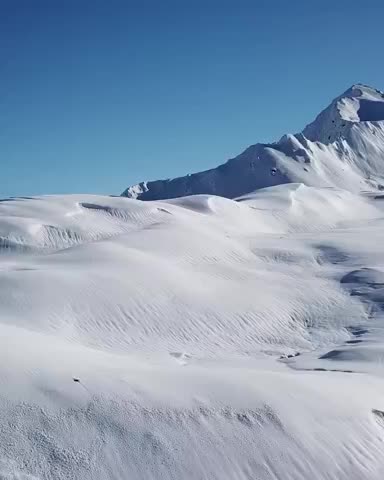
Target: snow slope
(212,338)
(343,147)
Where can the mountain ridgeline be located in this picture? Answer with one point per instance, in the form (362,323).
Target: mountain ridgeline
(343,147)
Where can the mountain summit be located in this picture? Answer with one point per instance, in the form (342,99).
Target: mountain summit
(343,147)
(359,103)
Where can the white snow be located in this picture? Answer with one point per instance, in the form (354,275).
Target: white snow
(182,318)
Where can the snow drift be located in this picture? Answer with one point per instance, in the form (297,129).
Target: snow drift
(343,147)
(209,338)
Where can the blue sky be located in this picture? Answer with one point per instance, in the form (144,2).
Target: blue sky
(97,95)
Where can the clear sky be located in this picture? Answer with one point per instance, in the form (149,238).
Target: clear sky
(97,95)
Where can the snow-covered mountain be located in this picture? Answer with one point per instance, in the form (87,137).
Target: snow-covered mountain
(202,337)
(343,147)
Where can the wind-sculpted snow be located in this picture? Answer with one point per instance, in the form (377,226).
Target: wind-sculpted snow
(193,338)
(343,148)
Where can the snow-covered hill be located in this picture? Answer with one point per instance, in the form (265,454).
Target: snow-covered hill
(343,147)
(193,338)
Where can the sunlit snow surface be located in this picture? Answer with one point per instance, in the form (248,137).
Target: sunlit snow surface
(180,319)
